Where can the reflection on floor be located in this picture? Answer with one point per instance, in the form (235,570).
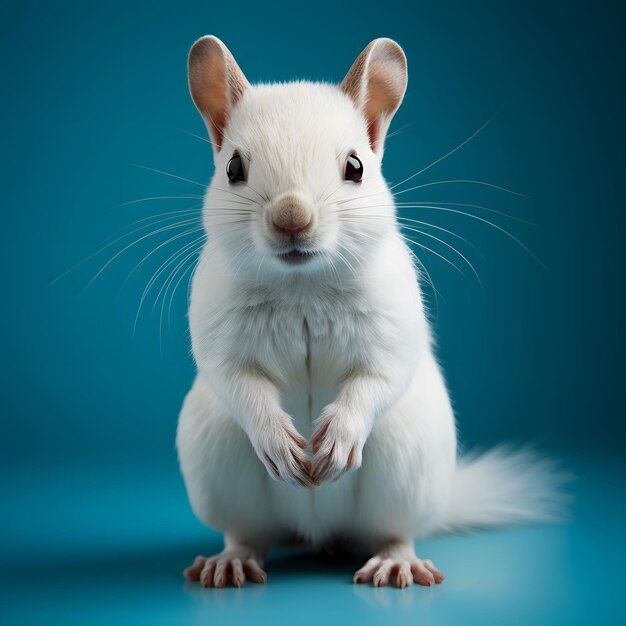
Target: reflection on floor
(108,547)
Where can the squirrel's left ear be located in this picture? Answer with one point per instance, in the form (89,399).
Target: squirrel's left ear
(376,84)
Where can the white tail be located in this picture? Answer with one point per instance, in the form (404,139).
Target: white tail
(505,486)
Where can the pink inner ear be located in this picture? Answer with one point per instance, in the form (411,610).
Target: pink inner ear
(376,83)
(372,131)
(219,119)
(214,105)
(383,97)
(216,84)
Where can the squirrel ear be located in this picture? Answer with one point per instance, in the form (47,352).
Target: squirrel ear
(216,84)
(376,84)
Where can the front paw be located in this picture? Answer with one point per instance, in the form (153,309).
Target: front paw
(337,444)
(282,450)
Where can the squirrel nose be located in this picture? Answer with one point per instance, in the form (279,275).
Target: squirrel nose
(292,230)
(291,216)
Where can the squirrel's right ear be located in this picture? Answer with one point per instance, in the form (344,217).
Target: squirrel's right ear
(216,84)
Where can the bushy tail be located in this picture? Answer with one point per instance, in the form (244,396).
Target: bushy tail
(504,486)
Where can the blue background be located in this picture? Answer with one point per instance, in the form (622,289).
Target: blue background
(96,526)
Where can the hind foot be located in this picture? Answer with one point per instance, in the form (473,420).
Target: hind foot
(233,566)
(396,564)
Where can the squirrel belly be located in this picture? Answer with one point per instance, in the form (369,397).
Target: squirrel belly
(408,460)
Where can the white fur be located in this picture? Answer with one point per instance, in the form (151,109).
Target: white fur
(343,337)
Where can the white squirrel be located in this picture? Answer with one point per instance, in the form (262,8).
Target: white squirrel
(308,326)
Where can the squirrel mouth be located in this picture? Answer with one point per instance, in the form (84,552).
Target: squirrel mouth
(296,257)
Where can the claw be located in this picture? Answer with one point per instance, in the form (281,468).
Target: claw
(398,569)
(232,566)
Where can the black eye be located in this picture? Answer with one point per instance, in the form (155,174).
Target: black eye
(354,169)
(234,170)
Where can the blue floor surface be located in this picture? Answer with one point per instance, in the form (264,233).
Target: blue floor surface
(108,547)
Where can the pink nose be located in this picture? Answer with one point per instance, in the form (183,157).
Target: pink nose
(290,230)
(291,215)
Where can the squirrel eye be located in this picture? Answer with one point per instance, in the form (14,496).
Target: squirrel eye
(354,169)
(234,170)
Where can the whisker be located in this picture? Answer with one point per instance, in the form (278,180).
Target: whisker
(165,243)
(189,284)
(263,197)
(130,246)
(232,143)
(160,270)
(327,198)
(152,221)
(242,220)
(247,253)
(383,189)
(391,219)
(421,245)
(204,139)
(458,212)
(426,203)
(419,263)
(471,206)
(192,267)
(445,156)
(399,130)
(173,215)
(170,259)
(440,228)
(445,243)
(108,245)
(228,213)
(233,202)
(152,169)
(346,262)
(166,284)
(482,219)
(261,264)
(199,137)
(195,247)
(186,197)
(460,181)
(333,267)
(357,257)
(422,267)
(341,151)
(232,193)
